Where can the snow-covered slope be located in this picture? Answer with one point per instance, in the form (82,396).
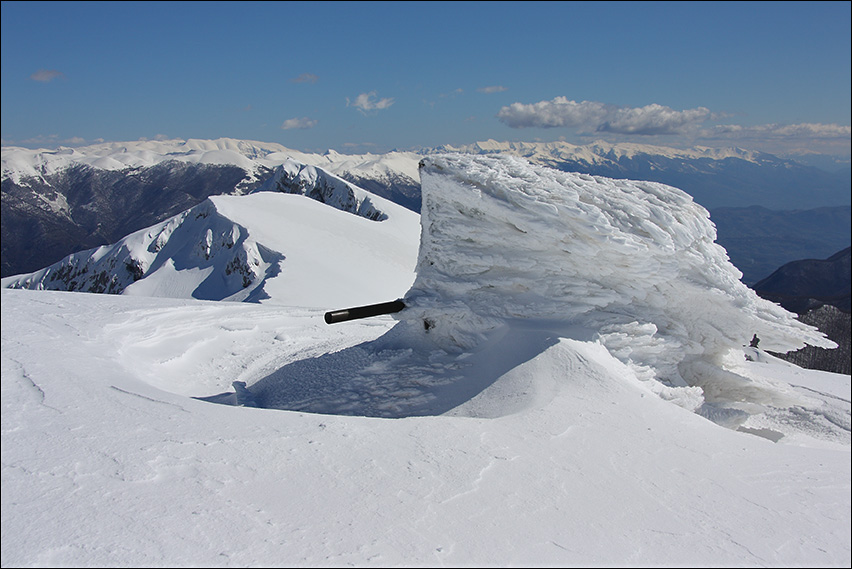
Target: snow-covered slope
(296,178)
(351,249)
(507,417)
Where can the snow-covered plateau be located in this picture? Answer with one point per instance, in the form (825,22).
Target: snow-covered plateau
(570,384)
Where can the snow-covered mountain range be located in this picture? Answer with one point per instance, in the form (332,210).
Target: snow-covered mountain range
(56,202)
(575,381)
(272,243)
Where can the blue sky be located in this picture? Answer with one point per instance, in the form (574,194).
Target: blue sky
(376,76)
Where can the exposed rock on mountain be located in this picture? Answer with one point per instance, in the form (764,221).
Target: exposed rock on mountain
(835,324)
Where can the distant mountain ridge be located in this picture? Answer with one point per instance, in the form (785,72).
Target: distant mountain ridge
(729,177)
(818,290)
(56,202)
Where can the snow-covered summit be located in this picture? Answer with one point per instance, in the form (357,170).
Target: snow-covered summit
(515,259)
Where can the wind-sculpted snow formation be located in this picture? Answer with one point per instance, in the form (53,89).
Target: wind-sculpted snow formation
(635,262)
(516,258)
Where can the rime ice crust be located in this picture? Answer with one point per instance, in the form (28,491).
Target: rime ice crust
(634,262)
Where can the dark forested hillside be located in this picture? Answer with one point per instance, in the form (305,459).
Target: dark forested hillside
(819,292)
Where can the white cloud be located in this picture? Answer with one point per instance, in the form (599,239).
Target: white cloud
(367,102)
(775,131)
(301,123)
(493,89)
(590,117)
(46,75)
(654,119)
(52,140)
(305,78)
(451,94)
(560,112)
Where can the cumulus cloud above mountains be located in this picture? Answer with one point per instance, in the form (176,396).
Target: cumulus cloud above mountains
(368,102)
(300,123)
(601,117)
(655,119)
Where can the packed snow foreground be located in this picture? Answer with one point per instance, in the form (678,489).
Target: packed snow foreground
(516,258)
(559,333)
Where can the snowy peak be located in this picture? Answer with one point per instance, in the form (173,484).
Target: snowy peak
(296,178)
(198,253)
(20,163)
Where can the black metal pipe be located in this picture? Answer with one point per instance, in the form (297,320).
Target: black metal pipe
(363,311)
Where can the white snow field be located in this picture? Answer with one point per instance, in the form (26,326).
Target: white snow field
(570,385)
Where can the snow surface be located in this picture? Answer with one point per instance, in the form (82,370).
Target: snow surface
(531,407)
(108,461)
